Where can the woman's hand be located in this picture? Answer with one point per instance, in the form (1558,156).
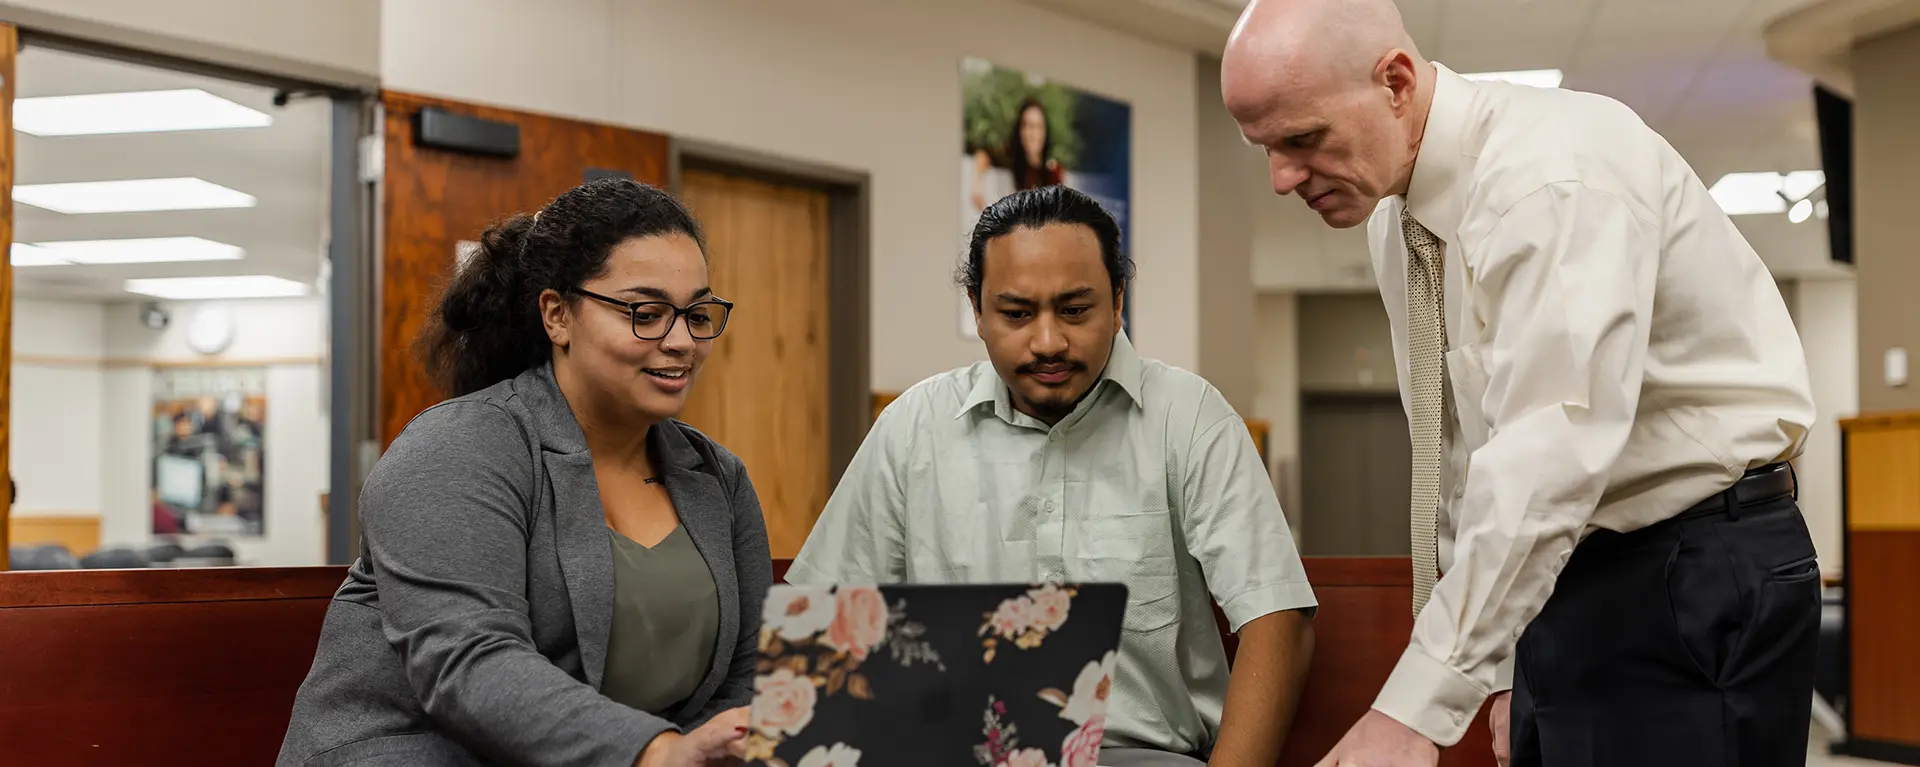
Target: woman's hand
(720,741)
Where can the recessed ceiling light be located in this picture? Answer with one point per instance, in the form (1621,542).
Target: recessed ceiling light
(204,288)
(1538,78)
(23,254)
(1759,193)
(1800,211)
(149,250)
(131,196)
(137,112)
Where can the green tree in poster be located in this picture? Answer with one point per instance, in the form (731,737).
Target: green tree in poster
(991,98)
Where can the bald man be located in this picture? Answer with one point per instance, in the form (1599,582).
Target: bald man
(1604,390)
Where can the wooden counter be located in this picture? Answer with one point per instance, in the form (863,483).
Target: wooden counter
(1880,464)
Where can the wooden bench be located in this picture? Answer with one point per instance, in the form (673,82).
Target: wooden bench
(199,667)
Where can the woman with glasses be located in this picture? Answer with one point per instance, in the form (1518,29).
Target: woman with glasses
(556,572)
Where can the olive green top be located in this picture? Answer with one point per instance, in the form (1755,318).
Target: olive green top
(666,615)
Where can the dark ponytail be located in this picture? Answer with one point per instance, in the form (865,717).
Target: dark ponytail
(487,326)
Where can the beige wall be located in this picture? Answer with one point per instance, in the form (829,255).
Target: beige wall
(1345,344)
(1886,160)
(1277,394)
(333,39)
(1229,171)
(870,85)
(1823,312)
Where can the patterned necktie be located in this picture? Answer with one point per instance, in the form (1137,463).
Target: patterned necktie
(1426,363)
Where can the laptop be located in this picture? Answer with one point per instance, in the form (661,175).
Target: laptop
(935,675)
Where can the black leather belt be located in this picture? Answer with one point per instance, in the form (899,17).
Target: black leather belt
(1767,483)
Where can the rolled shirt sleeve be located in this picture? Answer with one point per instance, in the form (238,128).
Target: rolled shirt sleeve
(1232,521)
(1565,283)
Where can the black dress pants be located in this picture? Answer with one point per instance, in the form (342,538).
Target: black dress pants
(1689,642)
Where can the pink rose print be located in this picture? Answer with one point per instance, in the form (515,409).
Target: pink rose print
(859,621)
(1049,610)
(796,613)
(1090,690)
(1028,757)
(1026,620)
(1012,617)
(782,703)
(1082,746)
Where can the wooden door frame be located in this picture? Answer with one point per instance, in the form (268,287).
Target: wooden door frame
(849,366)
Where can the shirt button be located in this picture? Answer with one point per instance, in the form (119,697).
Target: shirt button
(1049,507)
(1054,435)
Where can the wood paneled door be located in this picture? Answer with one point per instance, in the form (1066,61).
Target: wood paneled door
(9,49)
(434,199)
(764,393)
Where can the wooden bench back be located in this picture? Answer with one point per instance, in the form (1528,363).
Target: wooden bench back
(199,667)
(187,667)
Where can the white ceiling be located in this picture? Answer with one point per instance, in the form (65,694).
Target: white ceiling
(1696,70)
(283,166)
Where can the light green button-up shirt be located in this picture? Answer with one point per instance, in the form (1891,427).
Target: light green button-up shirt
(1152,481)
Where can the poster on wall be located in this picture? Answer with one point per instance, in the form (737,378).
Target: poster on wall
(1022,130)
(209,471)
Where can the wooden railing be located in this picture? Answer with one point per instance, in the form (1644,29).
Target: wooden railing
(199,667)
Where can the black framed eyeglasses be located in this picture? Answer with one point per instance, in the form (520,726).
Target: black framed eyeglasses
(653,320)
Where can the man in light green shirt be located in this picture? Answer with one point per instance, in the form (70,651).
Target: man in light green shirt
(1067,457)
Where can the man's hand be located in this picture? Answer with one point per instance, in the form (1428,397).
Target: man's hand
(1498,718)
(1378,740)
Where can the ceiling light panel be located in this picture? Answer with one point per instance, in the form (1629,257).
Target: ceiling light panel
(28,255)
(149,250)
(135,112)
(1538,78)
(132,196)
(207,288)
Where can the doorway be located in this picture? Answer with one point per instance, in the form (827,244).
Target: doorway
(170,328)
(1356,474)
(787,388)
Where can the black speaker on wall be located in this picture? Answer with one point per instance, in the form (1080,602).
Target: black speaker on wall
(1833,113)
(441,129)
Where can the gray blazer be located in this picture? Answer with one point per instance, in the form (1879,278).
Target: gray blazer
(473,630)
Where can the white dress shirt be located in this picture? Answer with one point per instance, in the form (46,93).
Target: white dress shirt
(1616,354)
(1152,481)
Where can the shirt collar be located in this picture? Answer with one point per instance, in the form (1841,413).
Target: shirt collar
(1123,368)
(1434,195)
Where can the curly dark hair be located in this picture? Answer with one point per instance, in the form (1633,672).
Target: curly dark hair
(487,328)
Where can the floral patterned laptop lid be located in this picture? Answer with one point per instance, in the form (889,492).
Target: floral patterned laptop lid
(935,675)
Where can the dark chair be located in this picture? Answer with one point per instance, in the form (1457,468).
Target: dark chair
(49,556)
(116,558)
(164,552)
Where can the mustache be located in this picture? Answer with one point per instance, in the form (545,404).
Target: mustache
(1030,366)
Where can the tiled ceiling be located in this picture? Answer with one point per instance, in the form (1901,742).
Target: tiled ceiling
(1695,70)
(281,165)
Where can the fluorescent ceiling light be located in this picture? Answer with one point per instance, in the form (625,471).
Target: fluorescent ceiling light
(137,112)
(151,250)
(203,288)
(131,196)
(1538,78)
(1760,193)
(28,255)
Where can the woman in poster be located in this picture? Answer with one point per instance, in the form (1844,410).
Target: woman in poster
(1028,154)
